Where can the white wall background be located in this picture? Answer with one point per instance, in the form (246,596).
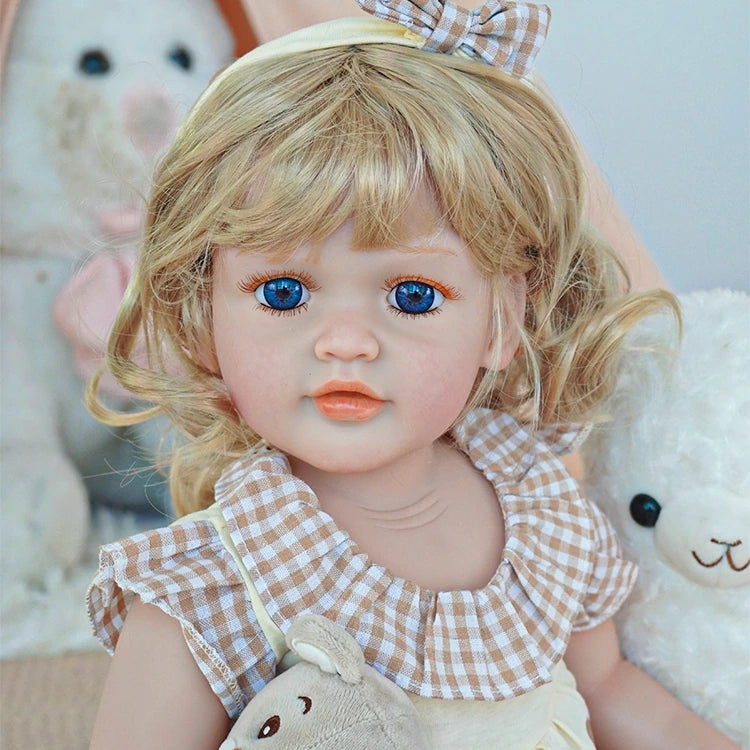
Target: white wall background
(659,93)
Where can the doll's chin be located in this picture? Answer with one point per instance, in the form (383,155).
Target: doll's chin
(336,463)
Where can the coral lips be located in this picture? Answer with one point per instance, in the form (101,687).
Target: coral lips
(347,401)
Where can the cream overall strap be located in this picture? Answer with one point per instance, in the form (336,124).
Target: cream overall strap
(271,631)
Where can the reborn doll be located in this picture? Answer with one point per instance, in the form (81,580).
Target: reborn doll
(371,305)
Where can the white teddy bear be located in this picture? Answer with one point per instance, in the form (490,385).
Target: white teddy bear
(672,472)
(91,93)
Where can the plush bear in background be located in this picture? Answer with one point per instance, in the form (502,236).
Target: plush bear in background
(672,472)
(91,93)
(330,699)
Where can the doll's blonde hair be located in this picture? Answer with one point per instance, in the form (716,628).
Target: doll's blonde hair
(284,152)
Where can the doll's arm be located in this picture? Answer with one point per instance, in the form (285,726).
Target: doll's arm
(628,709)
(155,694)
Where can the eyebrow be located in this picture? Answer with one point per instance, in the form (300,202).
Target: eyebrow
(313,253)
(425,249)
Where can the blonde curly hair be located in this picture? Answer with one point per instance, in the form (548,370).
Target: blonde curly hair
(283,152)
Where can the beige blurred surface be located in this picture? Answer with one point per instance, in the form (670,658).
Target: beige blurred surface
(50,702)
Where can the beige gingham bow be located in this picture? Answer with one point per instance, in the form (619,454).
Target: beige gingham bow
(507,35)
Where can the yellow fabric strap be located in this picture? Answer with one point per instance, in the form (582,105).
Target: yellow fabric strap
(271,631)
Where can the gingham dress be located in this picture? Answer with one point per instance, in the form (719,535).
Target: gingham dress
(561,571)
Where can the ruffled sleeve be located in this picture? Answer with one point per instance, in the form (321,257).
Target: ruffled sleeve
(611,578)
(186,572)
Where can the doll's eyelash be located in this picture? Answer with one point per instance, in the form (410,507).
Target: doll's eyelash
(448,291)
(404,314)
(250,283)
(274,311)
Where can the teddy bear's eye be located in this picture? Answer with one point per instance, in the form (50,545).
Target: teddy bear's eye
(645,510)
(94,62)
(181,57)
(270,728)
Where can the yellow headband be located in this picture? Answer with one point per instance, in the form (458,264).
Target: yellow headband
(507,35)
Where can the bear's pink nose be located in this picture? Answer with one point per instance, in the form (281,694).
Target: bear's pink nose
(120,223)
(150,118)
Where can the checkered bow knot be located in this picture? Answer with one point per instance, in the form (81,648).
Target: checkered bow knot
(505,34)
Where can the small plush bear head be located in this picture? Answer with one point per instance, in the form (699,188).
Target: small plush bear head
(329,699)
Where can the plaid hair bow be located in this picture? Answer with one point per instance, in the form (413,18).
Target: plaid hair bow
(504,34)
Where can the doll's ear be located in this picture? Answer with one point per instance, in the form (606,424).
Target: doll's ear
(503,344)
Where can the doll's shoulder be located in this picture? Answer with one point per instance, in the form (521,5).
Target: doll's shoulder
(187,571)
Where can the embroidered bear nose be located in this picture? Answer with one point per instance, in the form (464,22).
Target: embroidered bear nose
(725,543)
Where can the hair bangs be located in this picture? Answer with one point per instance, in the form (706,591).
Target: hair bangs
(331,158)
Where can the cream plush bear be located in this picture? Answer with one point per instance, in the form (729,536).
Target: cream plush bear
(330,699)
(672,472)
(92,91)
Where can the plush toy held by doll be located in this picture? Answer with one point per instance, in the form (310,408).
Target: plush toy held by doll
(671,471)
(329,699)
(90,96)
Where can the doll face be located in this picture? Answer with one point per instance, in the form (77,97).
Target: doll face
(349,359)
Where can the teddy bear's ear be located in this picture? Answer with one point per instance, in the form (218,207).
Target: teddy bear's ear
(316,639)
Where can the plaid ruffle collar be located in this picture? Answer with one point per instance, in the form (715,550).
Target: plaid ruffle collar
(497,642)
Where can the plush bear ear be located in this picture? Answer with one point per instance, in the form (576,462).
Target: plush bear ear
(316,639)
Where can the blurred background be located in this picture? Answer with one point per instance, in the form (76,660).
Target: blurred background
(659,94)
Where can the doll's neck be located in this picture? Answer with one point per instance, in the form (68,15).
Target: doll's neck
(402,488)
(433,519)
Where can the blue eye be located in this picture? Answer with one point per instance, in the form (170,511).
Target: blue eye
(282,294)
(415,297)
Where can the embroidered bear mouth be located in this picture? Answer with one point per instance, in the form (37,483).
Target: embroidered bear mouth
(727,553)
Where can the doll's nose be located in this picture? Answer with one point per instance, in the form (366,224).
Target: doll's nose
(347,338)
